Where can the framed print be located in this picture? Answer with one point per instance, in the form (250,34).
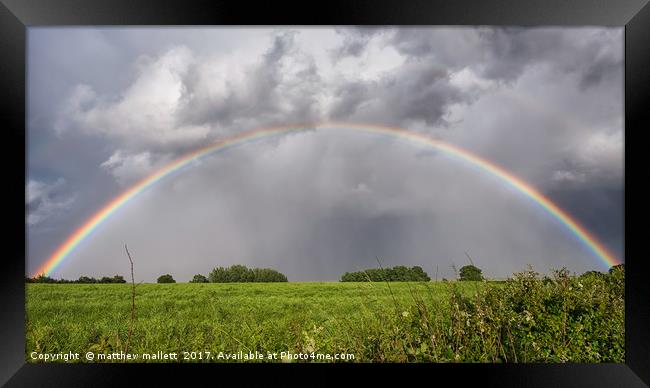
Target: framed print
(377,190)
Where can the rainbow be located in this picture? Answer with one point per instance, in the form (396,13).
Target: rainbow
(76,238)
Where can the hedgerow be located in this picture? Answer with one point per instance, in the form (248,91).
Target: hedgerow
(528,318)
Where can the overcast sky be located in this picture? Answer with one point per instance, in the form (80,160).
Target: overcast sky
(108,106)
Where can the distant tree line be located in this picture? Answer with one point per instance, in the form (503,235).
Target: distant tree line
(396,274)
(240,274)
(83,280)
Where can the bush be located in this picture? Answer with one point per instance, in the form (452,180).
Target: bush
(471,272)
(166,279)
(199,279)
(593,273)
(619,267)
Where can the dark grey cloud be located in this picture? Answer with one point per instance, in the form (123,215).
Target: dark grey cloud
(546,104)
(589,206)
(601,68)
(505,53)
(419,91)
(43,200)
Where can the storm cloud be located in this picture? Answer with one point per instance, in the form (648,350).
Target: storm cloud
(109,106)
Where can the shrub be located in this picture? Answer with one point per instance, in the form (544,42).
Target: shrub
(199,279)
(619,267)
(166,279)
(593,273)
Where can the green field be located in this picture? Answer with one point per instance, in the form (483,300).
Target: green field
(375,322)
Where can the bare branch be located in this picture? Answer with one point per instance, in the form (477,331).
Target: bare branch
(470,259)
(126,348)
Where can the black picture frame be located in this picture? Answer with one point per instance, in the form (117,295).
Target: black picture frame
(18,15)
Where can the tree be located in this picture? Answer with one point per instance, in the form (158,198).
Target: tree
(470,272)
(118,279)
(167,278)
(198,278)
(419,275)
(237,273)
(351,277)
(218,275)
(267,275)
(43,279)
(396,274)
(241,273)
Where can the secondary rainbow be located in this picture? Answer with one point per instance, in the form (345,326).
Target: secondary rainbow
(64,250)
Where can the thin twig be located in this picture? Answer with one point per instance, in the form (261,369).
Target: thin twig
(128,339)
(470,259)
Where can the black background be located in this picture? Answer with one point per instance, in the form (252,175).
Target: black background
(17,15)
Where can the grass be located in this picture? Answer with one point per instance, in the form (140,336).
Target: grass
(211,317)
(406,322)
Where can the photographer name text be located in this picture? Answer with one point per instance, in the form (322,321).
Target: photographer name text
(188,356)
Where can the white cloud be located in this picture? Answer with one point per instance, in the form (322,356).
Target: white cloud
(468,80)
(128,168)
(144,114)
(603,151)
